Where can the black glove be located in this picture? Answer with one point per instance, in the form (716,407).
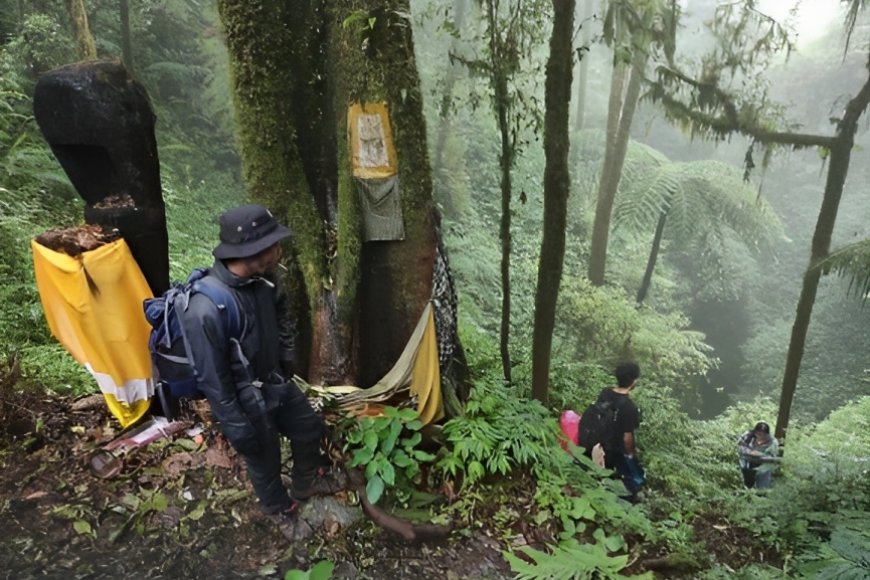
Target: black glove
(243,438)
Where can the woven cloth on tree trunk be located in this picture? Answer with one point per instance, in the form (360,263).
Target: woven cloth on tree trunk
(381,203)
(93,306)
(373,154)
(416,372)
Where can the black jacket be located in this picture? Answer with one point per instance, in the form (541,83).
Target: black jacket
(267,345)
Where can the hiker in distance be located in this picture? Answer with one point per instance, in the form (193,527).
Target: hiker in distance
(617,417)
(757,455)
(247,380)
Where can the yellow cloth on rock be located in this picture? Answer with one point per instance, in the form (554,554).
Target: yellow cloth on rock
(93,305)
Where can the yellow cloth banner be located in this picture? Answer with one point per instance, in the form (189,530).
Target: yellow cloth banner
(426,378)
(373,154)
(417,371)
(93,305)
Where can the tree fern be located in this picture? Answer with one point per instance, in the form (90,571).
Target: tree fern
(694,204)
(851,261)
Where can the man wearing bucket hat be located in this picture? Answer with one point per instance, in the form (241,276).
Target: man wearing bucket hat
(247,379)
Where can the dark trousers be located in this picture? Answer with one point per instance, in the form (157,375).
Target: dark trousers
(629,470)
(753,479)
(748,476)
(287,413)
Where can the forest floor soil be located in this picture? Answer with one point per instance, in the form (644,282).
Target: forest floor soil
(180,507)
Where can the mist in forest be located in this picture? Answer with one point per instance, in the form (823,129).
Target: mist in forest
(741,298)
(717,309)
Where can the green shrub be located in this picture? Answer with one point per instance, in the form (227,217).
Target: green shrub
(387,447)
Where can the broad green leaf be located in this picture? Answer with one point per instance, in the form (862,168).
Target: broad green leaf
(370,440)
(374,489)
(388,473)
(322,570)
(83,528)
(390,442)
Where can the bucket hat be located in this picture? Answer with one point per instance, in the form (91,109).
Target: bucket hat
(246,231)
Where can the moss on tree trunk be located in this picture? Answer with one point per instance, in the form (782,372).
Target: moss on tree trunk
(375,63)
(86,49)
(296,67)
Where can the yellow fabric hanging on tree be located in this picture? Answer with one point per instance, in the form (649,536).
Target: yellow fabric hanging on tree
(426,378)
(417,372)
(93,305)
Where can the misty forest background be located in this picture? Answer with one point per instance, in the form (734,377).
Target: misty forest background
(710,329)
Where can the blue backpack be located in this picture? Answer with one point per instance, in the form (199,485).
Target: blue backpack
(174,374)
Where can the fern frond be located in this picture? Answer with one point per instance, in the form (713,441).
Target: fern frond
(570,561)
(851,261)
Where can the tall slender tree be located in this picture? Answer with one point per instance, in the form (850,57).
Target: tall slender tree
(78,15)
(585,19)
(556,185)
(511,31)
(126,41)
(632,29)
(701,104)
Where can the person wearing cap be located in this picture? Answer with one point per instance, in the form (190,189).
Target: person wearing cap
(248,380)
(758,454)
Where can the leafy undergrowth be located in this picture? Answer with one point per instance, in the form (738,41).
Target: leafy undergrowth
(182,507)
(178,508)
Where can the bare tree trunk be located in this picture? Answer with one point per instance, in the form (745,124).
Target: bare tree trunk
(85,47)
(838,168)
(506,161)
(583,67)
(459,9)
(614,157)
(556,185)
(653,257)
(126,42)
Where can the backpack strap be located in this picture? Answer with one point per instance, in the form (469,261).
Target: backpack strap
(217,292)
(236,325)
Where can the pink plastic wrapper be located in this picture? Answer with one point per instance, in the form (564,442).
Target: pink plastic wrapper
(570,425)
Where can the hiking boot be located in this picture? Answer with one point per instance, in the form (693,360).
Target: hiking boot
(292,526)
(326,481)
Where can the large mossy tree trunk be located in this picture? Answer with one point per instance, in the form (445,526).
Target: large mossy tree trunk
(86,49)
(619,118)
(273,72)
(556,185)
(375,63)
(296,68)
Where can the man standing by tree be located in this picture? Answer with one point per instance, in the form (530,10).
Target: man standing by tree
(247,379)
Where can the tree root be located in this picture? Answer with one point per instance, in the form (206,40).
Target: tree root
(409,531)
